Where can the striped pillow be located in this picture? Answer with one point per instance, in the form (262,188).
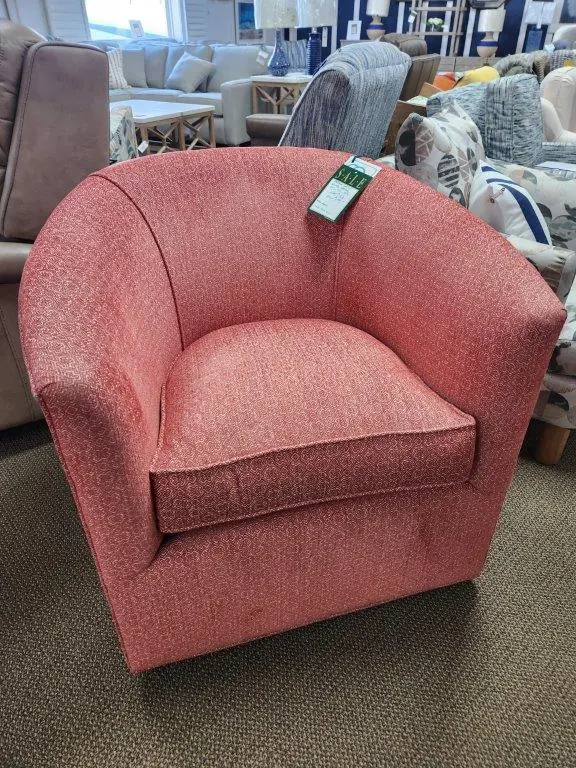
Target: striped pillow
(506,206)
(116,77)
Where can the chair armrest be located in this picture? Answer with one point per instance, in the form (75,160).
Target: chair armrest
(460,306)
(555,150)
(556,265)
(98,351)
(236,106)
(12,259)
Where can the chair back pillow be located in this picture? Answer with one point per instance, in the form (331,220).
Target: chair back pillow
(443,151)
(116,77)
(506,206)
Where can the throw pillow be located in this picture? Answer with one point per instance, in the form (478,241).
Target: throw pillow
(506,206)
(189,72)
(442,151)
(133,63)
(116,77)
(554,192)
(480,75)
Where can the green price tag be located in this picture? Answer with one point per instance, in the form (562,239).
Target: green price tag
(343,188)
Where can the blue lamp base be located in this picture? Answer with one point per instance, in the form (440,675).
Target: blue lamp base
(313,53)
(278,64)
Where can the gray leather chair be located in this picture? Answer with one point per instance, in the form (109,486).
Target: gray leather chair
(54,131)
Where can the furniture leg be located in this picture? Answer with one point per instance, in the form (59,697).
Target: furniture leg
(551,444)
(211,131)
(182,135)
(144,137)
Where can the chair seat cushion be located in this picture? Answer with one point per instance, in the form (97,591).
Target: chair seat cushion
(272,415)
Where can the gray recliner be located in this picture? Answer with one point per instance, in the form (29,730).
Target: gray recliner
(54,131)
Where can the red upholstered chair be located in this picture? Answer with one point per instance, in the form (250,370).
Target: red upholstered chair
(267,419)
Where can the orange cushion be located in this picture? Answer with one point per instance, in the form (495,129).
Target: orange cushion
(446,81)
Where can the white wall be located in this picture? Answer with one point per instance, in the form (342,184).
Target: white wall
(29,12)
(220,24)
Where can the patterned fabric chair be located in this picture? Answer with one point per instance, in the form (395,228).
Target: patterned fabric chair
(260,437)
(123,141)
(508,113)
(350,101)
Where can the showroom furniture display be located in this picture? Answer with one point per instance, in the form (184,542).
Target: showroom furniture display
(554,193)
(559,88)
(278,93)
(349,103)
(164,126)
(508,113)
(257,438)
(148,66)
(123,141)
(266,130)
(54,131)
(452,11)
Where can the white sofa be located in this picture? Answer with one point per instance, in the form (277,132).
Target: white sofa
(147,67)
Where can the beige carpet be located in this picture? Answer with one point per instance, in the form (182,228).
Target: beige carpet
(476,675)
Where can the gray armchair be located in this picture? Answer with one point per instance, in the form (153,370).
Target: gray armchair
(54,131)
(347,105)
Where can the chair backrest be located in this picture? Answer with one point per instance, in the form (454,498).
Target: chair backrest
(349,102)
(54,125)
(508,113)
(423,69)
(559,88)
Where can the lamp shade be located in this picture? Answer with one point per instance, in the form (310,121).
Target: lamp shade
(378,7)
(275,14)
(492,20)
(317,13)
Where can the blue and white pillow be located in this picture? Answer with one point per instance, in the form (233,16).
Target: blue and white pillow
(506,206)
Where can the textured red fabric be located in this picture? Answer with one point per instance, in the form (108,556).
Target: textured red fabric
(145,258)
(272,415)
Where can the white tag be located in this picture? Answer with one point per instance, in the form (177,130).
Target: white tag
(262,57)
(324,37)
(411,18)
(340,192)
(142,147)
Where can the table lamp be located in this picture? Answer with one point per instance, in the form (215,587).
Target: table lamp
(376,9)
(277,15)
(490,21)
(314,14)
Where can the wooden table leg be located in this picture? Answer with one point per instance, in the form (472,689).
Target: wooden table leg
(182,134)
(211,131)
(551,444)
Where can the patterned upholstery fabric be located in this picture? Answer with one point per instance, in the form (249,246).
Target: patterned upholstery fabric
(536,63)
(313,441)
(123,142)
(349,102)
(507,112)
(557,59)
(442,151)
(158,264)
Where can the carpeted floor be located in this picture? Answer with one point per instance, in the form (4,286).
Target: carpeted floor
(476,675)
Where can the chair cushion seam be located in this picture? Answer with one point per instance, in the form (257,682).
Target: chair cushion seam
(343,441)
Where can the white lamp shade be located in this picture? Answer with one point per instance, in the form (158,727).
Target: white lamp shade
(378,7)
(275,14)
(317,13)
(492,20)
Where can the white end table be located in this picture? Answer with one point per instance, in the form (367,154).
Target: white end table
(279,92)
(166,122)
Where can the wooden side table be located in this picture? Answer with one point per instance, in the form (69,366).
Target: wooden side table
(279,92)
(193,118)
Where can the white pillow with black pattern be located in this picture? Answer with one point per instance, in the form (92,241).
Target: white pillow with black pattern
(443,151)
(506,206)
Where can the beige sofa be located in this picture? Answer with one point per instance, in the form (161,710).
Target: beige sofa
(147,68)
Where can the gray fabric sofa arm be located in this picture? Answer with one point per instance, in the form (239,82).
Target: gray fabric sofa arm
(555,150)
(236,106)
(556,265)
(12,259)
